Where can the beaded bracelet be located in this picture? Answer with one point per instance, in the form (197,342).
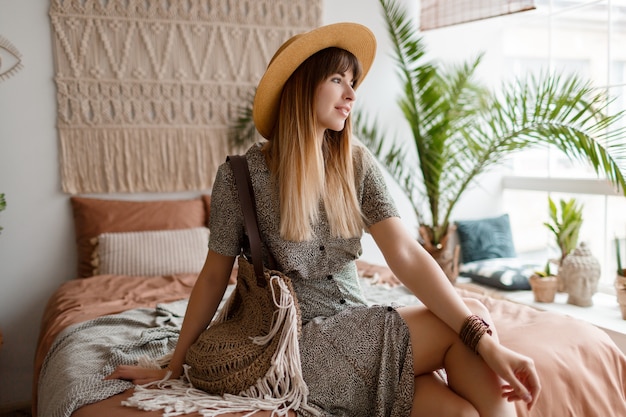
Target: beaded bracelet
(474,327)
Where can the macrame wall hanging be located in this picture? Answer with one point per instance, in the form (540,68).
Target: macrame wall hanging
(147,90)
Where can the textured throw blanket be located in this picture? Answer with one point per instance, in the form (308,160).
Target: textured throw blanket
(83,354)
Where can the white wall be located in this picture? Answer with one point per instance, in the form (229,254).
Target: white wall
(37,251)
(36,247)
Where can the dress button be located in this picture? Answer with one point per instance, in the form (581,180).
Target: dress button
(322,247)
(329,277)
(389,308)
(342,301)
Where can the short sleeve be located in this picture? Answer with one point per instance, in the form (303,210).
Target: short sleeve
(226,221)
(376,201)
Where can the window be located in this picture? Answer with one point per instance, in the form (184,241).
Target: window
(585,37)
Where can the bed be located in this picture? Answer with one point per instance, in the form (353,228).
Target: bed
(130,293)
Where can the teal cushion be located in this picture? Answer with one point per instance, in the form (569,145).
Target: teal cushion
(486,238)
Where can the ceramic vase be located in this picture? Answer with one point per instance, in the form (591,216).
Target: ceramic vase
(544,288)
(580,271)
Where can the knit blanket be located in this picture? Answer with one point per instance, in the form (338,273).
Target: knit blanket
(82,355)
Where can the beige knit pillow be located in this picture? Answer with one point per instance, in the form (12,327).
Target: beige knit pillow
(162,252)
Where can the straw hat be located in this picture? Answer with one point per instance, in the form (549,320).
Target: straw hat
(353,37)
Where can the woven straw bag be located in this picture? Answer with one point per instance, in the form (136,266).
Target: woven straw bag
(252,348)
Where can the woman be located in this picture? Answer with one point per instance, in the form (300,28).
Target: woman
(316,192)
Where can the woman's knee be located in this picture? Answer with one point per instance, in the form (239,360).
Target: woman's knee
(476,307)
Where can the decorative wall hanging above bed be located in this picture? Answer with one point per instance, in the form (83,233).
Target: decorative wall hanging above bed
(147,90)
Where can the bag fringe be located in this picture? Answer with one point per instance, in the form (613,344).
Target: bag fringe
(281,389)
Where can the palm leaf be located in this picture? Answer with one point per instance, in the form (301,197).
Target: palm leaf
(460,129)
(244,130)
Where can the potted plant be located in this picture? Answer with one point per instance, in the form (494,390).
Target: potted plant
(566,218)
(459,129)
(544,285)
(565,222)
(620,280)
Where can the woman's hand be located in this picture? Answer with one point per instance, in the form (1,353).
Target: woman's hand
(139,375)
(518,371)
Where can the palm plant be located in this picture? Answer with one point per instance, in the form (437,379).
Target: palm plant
(565,222)
(460,128)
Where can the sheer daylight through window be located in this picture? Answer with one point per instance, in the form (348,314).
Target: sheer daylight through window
(585,38)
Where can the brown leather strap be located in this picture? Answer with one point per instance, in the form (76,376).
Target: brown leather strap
(248,206)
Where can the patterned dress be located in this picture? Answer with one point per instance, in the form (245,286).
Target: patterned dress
(356,360)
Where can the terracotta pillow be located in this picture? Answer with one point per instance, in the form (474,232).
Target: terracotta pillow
(93,217)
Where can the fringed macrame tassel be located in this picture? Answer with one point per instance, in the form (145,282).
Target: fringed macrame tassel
(282,389)
(157,159)
(284,380)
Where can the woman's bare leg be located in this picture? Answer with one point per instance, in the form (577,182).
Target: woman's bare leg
(434,346)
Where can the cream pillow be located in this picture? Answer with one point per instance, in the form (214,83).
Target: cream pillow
(162,252)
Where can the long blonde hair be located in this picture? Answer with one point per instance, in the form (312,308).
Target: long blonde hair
(307,171)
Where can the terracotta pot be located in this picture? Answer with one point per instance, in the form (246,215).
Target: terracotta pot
(544,288)
(620,282)
(447,253)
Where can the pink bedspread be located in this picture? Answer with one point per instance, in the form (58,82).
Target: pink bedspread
(583,372)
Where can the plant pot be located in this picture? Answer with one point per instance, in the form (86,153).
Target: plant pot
(544,288)
(447,253)
(620,282)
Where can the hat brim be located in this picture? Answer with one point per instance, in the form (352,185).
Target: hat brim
(353,37)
